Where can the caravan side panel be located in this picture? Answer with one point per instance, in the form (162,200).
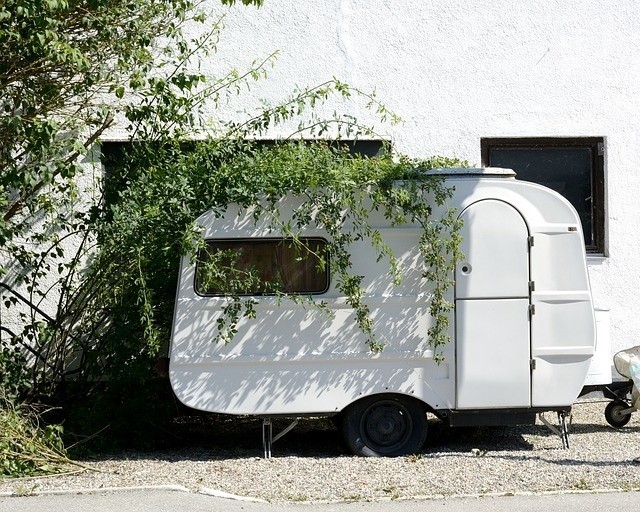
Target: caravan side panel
(295,359)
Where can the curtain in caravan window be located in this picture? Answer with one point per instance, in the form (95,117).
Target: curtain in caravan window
(262,267)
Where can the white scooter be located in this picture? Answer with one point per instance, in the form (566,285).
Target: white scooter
(625,395)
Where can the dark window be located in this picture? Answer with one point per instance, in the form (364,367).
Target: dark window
(115,160)
(360,147)
(264,266)
(571,167)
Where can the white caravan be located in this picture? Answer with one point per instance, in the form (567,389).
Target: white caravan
(523,329)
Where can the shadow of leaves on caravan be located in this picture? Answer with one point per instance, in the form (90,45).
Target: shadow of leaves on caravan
(291,357)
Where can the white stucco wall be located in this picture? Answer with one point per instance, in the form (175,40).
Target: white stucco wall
(89,190)
(462,70)
(459,71)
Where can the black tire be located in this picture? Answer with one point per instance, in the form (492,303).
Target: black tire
(385,426)
(614,416)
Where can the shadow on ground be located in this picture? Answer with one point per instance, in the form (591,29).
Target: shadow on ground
(113,423)
(224,437)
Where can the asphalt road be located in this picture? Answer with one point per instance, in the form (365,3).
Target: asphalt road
(162,500)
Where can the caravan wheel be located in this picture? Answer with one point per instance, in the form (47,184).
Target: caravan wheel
(385,426)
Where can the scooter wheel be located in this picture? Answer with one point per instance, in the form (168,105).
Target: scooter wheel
(614,415)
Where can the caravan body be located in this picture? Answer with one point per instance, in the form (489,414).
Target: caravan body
(523,329)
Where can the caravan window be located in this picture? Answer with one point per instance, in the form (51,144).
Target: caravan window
(265,266)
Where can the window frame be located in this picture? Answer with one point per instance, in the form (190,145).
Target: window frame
(597,147)
(327,273)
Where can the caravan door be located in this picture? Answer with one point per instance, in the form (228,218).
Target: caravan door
(493,347)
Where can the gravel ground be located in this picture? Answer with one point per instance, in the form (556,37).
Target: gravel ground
(310,463)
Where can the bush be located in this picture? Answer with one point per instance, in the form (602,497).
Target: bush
(28,448)
(14,376)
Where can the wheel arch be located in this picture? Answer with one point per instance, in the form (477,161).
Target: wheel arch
(389,395)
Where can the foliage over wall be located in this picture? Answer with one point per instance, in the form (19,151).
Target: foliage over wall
(91,265)
(70,69)
(149,227)
(105,270)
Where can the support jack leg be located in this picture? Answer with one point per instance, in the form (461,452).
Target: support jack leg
(563,431)
(267,435)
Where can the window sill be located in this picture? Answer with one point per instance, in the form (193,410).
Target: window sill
(596,259)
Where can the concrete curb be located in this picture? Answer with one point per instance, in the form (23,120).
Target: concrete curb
(222,494)
(225,495)
(434,497)
(88,490)
(516,493)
